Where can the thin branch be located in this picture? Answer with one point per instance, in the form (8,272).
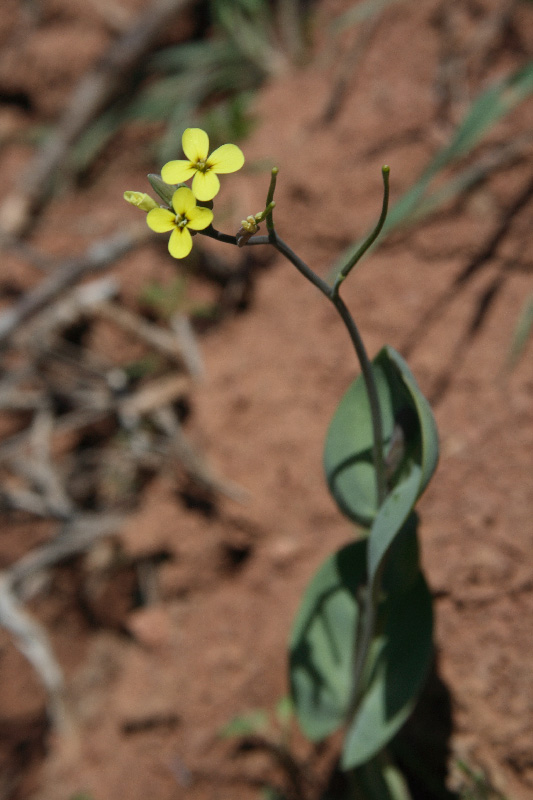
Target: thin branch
(89,97)
(66,274)
(160,339)
(193,463)
(32,641)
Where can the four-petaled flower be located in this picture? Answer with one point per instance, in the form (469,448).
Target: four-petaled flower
(201,165)
(186,214)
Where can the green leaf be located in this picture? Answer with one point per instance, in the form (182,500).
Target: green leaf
(390,519)
(192,55)
(398,674)
(348,462)
(406,416)
(522,332)
(94,139)
(323,641)
(377,779)
(323,647)
(428,454)
(490,106)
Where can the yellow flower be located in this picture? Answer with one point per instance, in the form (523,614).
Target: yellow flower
(141,200)
(186,214)
(201,165)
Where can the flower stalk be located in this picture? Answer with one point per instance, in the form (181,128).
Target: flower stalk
(181,216)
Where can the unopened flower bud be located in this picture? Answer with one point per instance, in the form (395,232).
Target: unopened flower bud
(248,227)
(141,200)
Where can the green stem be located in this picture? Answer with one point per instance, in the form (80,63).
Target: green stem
(300,265)
(270,198)
(227,238)
(364,641)
(372,393)
(385,171)
(332,293)
(364,361)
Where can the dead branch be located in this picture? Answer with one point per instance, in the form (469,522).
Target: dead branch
(66,424)
(158,393)
(193,463)
(32,641)
(96,258)
(41,470)
(29,636)
(40,334)
(13,499)
(76,537)
(14,399)
(192,356)
(158,338)
(89,97)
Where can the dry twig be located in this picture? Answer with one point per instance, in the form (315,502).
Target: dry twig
(30,637)
(92,93)
(160,339)
(69,272)
(192,462)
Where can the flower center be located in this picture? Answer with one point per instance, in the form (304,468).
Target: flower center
(181,221)
(202,165)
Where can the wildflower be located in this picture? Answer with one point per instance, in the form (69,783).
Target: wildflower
(185,214)
(201,165)
(141,200)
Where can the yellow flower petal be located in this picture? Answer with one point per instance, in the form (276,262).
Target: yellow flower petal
(227,158)
(205,185)
(161,220)
(199,218)
(180,243)
(195,143)
(177,171)
(183,201)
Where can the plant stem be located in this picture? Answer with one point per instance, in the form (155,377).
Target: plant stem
(369,241)
(362,356)
(372,393)
(270,198)
(364,640)
(333,296)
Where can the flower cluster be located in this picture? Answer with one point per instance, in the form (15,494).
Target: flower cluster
(181,213)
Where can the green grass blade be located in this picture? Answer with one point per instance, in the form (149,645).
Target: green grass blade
(522,332)
(487,109)
(359,13)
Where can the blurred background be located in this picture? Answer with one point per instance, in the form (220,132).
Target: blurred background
(162,422)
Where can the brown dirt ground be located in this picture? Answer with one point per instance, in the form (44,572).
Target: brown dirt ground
(147,707)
